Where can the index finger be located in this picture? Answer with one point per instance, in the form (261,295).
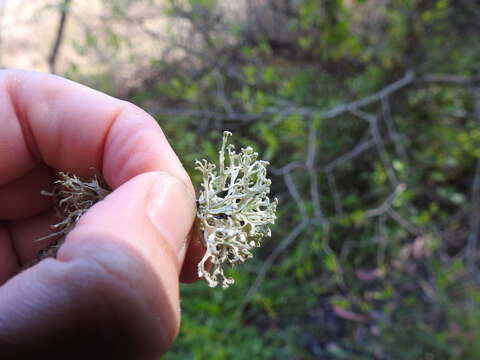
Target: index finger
(45,118)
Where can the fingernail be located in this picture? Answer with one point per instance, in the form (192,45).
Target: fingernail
(171,209)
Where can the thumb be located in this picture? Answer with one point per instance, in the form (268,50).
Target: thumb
(113,289)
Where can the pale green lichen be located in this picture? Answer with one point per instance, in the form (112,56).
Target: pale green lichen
(234,210)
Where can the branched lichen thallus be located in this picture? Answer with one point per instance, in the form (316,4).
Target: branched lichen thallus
(234,210)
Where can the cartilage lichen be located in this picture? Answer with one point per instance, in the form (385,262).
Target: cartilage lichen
(234,210)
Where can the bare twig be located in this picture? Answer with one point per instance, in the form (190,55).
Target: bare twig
(379,143)
(331,166)
(292,189)
(392,129)
(313,174)
(381,239)
(338,110)
(64,11)
(412,229)
(335,194)
(287,168)
(474,231)
(267,264)
(386,204)
(350,155)
(407,79)
(451,79)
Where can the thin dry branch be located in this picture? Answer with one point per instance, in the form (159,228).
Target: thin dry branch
(313,174)
(330,167)
(379,143)
(451,79)
(404,223)
(332,184)
(392,129)
(292,189)
(386,204)
(64,8)
(350,155)
(268,263)
(406,80)
(474,228)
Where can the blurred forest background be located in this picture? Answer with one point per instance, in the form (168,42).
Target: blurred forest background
(369,112)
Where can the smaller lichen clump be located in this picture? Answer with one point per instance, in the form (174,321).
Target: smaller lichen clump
(73,197)
(234,210)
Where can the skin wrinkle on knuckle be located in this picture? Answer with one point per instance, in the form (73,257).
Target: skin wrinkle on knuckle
(44,148)
(11,84)
(145,127)
(118,148)
(12,112)
(113,119)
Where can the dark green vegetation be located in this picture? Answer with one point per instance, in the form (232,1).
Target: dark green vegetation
(369,112)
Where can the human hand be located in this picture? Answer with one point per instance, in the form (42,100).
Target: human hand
(112,291)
